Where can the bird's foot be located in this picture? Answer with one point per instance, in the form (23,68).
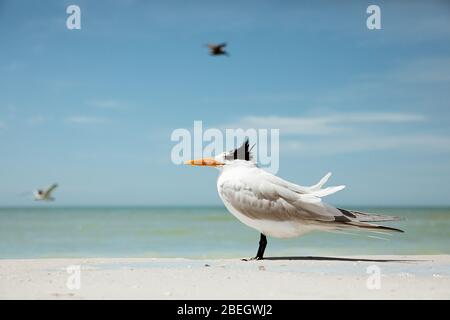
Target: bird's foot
(252,259)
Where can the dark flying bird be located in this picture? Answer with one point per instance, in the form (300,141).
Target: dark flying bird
(217,49)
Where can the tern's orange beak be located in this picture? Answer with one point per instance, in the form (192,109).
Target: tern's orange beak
(210,162)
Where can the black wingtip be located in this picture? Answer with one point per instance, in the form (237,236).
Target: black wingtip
(393,229)
(373,227)
(389,229)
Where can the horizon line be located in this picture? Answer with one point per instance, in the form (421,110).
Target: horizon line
(50,206)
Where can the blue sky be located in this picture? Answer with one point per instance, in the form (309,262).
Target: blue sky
(93,109)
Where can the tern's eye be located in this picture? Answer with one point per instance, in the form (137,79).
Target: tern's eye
(229,156)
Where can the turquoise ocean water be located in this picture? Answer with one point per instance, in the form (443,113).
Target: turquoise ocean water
(197,232)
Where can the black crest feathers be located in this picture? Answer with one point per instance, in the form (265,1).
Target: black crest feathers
(241,153)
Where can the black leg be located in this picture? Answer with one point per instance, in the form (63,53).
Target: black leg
(261,248)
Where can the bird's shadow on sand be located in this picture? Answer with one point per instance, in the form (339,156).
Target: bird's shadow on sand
(310,258)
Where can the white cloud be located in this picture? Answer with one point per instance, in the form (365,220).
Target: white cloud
(86,120)
(348,132)
(35,120)
(361,143)
(323,125)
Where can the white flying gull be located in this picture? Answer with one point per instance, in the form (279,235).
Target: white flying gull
(45,195)
(278,208)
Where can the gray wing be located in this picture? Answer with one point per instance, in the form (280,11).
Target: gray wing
(50,190)
(261,197)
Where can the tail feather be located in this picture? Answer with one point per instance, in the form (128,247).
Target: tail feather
(372,227)
(320,184)
(367,217)
(317,191)
(362,220)
(327,191)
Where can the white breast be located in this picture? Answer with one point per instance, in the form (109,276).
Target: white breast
(273,228)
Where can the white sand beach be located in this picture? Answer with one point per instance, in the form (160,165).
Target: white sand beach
(402,277)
